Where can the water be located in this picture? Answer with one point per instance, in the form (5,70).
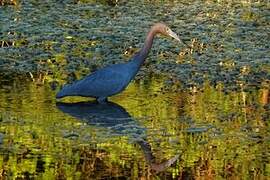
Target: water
(146,132)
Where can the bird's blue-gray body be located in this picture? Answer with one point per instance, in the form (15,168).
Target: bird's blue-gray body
(102,83)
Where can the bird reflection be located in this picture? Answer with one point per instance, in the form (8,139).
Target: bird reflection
(114,117)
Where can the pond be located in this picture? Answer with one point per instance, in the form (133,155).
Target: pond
(191,113)
(147,131)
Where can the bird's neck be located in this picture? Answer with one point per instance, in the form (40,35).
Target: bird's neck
(147,45)
(142,54)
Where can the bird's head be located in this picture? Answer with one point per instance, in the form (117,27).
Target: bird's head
(165,30)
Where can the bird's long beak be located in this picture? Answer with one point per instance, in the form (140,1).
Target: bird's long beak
(173,35)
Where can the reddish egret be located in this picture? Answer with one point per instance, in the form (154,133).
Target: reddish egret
(113,79)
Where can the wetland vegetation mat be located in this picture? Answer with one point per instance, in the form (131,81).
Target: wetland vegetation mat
(198,112)
(63,40)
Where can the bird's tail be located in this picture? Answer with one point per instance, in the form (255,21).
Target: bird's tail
(67,90)
(60,95)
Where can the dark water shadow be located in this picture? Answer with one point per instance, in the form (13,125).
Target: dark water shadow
(114,117)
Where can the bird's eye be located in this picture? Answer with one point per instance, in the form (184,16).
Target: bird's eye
(167,29)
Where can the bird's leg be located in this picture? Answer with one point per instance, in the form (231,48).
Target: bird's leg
(102,100)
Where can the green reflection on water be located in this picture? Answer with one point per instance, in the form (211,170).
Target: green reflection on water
(165,134)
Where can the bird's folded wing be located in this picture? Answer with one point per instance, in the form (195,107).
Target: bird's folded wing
(101,83)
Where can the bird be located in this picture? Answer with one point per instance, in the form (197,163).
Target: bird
(113,79)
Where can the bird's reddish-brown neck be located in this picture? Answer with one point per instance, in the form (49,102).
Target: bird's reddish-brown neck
(147,45)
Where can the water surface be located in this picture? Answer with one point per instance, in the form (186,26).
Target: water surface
(147,131)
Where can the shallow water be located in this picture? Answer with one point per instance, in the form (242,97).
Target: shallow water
(146,132)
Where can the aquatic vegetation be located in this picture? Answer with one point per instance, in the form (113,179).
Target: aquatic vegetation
(8,2)
(91,34)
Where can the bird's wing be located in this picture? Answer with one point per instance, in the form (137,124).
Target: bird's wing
(102,83)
